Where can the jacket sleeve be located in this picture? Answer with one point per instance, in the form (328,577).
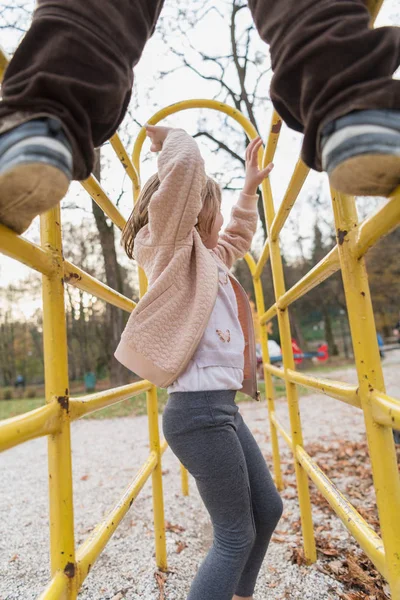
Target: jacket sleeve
(174,208)
(235,241)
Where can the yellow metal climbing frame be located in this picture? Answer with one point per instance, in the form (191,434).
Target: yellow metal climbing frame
(70,565)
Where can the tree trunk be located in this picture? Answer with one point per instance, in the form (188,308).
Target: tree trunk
(295,328)
(116,318)
(330,340)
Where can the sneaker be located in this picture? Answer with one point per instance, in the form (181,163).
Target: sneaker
(361,152)
(35,171)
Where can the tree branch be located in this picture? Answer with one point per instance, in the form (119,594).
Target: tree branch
(221,145)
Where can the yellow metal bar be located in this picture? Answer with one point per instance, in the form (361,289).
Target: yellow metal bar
(261,261)
(379,224)
(296,183)
(163,446)
(275,371)
(57,588)
(125,160)
(78,407)
(288,362)
(385,410)
(268,315)
(90,550)
(374,7)
(369,541)
(184,481)
(4,60)
(97,193)
(25,252)
(324,269)
(336,389)
(82,280)
(187,105)
(33,424)
(282,431)
(158,497)
(273,137)
(370,377)
(62,547)
(269,386)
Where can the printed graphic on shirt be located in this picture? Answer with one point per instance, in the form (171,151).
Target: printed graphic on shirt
(225,337)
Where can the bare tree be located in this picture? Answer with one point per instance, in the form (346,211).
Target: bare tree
(239,74)
(114,278)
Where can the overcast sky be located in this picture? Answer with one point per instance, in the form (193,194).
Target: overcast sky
(153,95)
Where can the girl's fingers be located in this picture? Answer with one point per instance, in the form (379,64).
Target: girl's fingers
(250,147)
(265,172)
(254,152)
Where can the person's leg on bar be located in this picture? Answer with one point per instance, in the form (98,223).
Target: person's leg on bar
(65,92)
(328,63)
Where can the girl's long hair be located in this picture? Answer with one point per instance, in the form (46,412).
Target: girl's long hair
(211,203)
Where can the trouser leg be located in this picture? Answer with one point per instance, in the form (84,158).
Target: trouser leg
(213,456)
(266,505)
(327,62)
(207,434)
(75,63)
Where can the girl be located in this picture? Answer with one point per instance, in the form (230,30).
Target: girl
(192,332)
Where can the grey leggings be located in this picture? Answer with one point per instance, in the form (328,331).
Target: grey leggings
(206,431)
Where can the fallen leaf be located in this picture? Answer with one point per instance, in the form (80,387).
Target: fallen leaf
(180,546)
(160,579)
(175,528)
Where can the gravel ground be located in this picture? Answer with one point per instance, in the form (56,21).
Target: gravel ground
(106,456)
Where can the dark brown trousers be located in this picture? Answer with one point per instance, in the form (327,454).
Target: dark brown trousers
(76,61)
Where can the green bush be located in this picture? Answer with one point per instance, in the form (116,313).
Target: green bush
(8,394)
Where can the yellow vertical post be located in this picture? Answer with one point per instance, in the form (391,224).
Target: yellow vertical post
(288,363)
(269,386)
(184,480)
(370,377)
(158,498)
(62,546)
(154,440)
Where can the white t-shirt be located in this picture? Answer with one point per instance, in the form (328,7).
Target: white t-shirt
(218,361)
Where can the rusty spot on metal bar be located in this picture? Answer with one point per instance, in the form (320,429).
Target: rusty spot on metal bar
(362,293)
(276,127)
(69,570)
(63,401)
(69,276)
(341,234)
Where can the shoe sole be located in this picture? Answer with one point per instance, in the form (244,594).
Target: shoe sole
(28,190)
(367,175)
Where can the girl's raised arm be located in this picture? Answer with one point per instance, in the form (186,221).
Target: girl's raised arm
(235,241)
(175,206)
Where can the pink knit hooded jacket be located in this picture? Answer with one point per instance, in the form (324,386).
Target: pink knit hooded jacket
(166,326)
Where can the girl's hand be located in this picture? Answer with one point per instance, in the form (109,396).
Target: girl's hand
(157,135)
(254,176)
